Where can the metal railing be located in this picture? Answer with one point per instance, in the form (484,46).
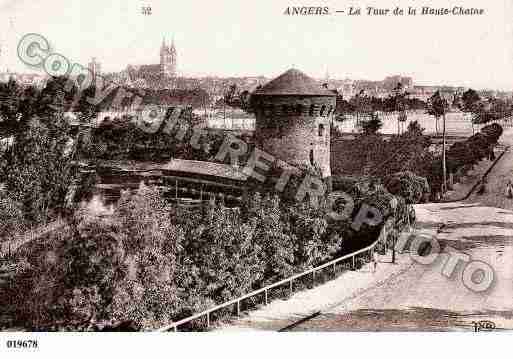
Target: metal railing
(370,249)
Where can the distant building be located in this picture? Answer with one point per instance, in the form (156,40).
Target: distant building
(36,80)
(95,67)
(390,82)
(347,89)
(155,74)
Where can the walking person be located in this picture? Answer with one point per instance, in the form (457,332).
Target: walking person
(375,258)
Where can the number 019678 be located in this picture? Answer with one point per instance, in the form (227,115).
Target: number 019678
(22,344)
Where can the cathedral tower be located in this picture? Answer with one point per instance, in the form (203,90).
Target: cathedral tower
(168,59)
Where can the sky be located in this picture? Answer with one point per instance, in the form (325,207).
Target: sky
(252,38)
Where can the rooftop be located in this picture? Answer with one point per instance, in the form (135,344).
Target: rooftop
(293,82)
(205,168)
(176,165)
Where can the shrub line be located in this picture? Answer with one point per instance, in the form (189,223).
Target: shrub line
(483,177)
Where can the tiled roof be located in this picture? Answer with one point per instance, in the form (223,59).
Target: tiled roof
(176,165)
(205,168)
(293,82)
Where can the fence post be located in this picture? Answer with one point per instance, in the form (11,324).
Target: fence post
(208,319)
(175,329)
(354,266)
(290,287)
(334,268)
(265,292)
(313,277)
(238,308)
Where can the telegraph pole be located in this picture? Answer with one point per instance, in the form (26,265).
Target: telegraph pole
(444,166)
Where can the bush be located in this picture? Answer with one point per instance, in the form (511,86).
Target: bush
(11,212)
(493,132)
(408,185)
(151,264)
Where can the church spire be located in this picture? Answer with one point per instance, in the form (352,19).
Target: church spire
(172,47)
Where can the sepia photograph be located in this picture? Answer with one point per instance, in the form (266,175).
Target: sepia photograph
(244,168)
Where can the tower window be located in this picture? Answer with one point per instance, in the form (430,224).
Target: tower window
(321,130)
(323,109)
(311,157)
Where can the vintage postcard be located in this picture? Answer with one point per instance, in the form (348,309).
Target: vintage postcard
(255,166)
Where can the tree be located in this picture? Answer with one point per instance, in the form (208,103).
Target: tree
(270,234)
(343,108)
(407,185)
(12,216)
(232,97)
(469,99)
(361,104)
(437,107)
(399,104)
(148,294)
(39,169)
(414,129)
(470,103)
(372,126)
(16,108)
(245,101)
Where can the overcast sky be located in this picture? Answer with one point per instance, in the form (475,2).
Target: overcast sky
(226,37)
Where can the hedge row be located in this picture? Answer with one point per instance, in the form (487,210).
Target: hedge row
(474,149)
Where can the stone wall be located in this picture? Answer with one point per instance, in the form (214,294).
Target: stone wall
(296,129)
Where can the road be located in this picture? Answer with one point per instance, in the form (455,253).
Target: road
(420,297)
(410,296)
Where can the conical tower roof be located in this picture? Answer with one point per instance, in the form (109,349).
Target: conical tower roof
(293,82)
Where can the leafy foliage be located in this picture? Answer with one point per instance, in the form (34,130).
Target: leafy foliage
(408,185)
(38,169)
(12,216)
(152,263)
(437,105)
(372,126)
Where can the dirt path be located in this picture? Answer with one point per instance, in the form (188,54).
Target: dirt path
(421,298)
(410,295)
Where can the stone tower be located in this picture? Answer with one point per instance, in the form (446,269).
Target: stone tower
(293,120)
(168,59)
